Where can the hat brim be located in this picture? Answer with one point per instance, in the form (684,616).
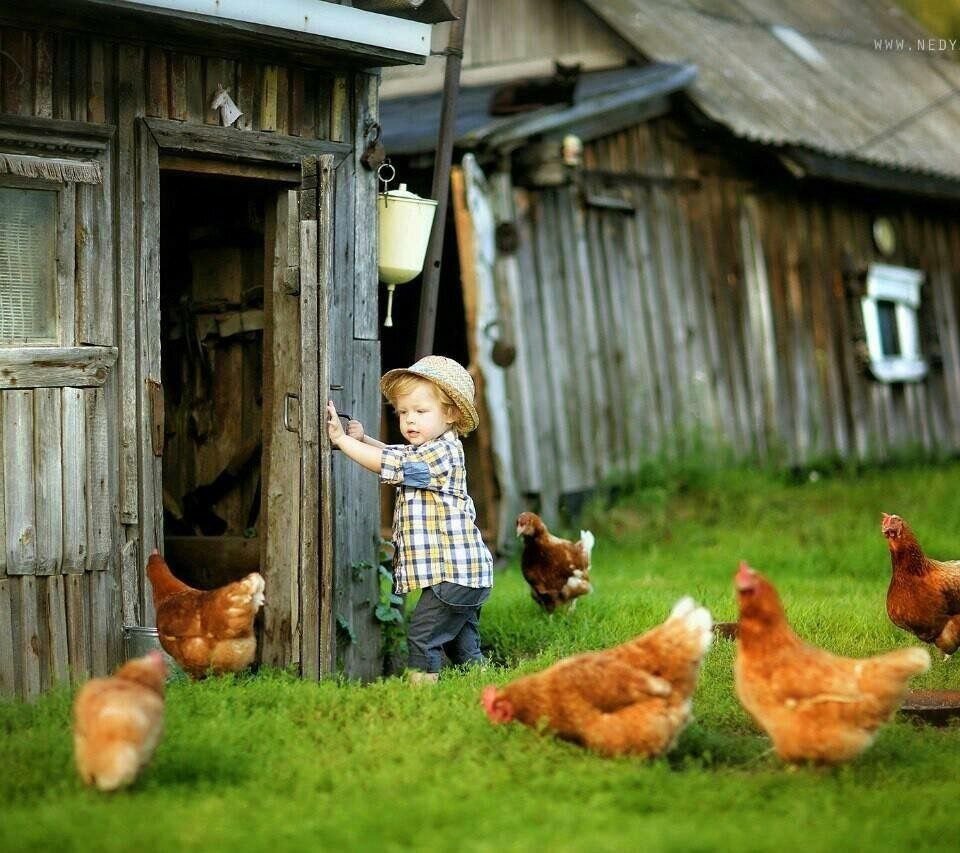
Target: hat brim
(462,403)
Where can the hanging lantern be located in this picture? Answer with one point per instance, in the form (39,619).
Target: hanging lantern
(404,231)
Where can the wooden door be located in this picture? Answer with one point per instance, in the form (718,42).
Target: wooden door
(296,539)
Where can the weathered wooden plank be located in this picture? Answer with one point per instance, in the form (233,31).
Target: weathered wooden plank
(80,78)
(89,284)
(268,98)
(66,264)
(99,57)
(193,89)
(297,106)
(8,675)
(47,474)
(304,592)
(25,599)
(547,275)
(148,339)
(246,96)
(54,623)
(283,100)
(78,626)
(281,449)
(340,100)
(99,516)
(365,291)
(62,68)
(320,601)
(177,86)
(531,342)
(243,146)
(157,82)
(43,75)
(17,71)
(589,432)
(508,284)
(19,486)
(55,367)
(105,625)
(74,484)
(130,578)
(130,105)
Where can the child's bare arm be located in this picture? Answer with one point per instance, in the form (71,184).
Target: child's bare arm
(360,452)
(355,430)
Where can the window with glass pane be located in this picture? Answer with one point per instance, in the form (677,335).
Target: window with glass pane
(28,266)
(889,334)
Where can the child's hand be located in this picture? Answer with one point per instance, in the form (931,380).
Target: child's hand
(355,429)
(334,427)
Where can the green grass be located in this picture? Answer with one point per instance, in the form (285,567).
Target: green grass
(267,762)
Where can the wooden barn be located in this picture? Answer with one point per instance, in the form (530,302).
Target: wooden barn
(737,234)
(184,279)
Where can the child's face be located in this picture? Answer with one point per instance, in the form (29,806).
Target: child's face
(422,416)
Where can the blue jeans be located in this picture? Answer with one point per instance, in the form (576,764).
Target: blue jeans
(447,619)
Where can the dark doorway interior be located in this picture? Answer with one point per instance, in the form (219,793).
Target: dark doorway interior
(212,278)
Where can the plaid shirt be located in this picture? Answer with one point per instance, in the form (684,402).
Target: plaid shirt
(434,530)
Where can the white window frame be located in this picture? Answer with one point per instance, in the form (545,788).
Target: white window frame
(68,150)
(901,286)
(64,240)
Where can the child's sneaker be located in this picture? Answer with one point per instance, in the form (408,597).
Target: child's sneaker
(417,677)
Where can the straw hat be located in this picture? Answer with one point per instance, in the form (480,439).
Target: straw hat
(447,374)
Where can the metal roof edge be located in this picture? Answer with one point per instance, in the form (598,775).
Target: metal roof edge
(663,81)
(804,162)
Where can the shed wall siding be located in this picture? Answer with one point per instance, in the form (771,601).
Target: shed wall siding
(720,316)
(73,625)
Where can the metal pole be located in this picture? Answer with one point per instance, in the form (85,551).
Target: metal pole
(441,181)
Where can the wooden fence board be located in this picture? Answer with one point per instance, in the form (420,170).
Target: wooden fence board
(19,486)
(43,75)
(48,476)
(54,624)
(8,674)
(74,484)
(99,502)
(25,602)
(78,626)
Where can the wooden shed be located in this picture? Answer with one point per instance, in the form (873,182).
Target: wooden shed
(181,289)
(754,256)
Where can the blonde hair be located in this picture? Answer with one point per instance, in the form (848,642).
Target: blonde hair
(405,383)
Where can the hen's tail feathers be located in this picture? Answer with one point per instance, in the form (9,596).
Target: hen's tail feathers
(115,767)
(695,620)
(586,542)
(902,663)
(254,584)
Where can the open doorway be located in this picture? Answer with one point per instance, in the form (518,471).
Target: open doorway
(212,333)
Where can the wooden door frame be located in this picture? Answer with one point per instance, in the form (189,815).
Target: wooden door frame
(247,154)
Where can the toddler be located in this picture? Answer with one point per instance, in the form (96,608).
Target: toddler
(438,547)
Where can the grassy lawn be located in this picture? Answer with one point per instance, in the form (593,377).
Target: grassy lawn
(267,762)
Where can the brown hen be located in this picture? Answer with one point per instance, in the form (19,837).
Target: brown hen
(815,706)
(118,721)
(557,570)
(206,632)
(924,595)
(632,699)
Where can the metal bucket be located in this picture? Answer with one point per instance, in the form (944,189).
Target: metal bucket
(137,641)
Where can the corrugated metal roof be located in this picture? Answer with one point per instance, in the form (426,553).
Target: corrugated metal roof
(410,124)
(894,105)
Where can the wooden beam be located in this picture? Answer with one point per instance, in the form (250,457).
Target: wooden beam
(243,146)
(199,165)
(55,367)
